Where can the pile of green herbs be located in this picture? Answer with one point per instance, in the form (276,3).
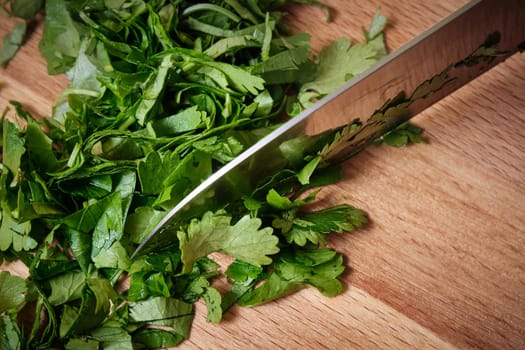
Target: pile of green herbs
(161,94)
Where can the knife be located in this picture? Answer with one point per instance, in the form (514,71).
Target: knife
(467,43)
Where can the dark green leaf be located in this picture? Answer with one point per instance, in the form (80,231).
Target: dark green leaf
(26,9)
(157,338)
(39,148)
(241,271)
(323,276)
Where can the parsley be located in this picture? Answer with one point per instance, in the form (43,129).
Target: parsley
(162,94)
(341,61)
(12,292)
(213,233)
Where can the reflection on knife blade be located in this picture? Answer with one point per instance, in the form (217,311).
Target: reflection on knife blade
(429,68)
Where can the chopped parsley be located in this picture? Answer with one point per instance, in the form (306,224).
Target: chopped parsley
(161,94)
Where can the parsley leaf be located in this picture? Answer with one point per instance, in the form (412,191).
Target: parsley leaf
(213,233)
(13,290)
(174,314)
(295,270)
(402,135)
(15,234)
(11,335)
(12,43)
(342,61)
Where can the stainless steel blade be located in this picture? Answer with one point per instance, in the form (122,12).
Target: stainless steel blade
(437,62)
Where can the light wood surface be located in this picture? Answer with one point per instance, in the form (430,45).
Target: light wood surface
(442,263)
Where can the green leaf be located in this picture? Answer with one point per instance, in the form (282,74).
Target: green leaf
(322,275)
(241,80)
(213,233)
(66,287)
(80,244)
(284,203)
(15,234)
(26,9)
(43,268)
(400,137)
(306,172)
(241,271)
(13,290)
(185,120)
(154,169)
(12,43)
(106,249)
(97,298)
(93,187)
(68,319)
(142,222)
(222,150)
(10,336)
(60,42)
(294,271)
(338,219)
(40,148)
(115,257)
(377,27)
(244,276)
(274,287)
(113,338)
(341,61)
(161,311)
(153,89)
(157,338)
(288,66)
(314,226)
(82,344)
(213,298)
(83,77)
(194,168)
(12,146)
(338,63)
(144,284)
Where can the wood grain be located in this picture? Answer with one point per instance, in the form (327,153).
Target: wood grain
(442,263)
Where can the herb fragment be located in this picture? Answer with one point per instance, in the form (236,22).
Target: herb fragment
(12,43)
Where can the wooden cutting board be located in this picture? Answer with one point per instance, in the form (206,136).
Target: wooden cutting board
(442,263)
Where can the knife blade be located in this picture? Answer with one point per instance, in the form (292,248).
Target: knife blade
(445,57)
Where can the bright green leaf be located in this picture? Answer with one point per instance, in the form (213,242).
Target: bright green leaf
(213,233)
(213,298)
